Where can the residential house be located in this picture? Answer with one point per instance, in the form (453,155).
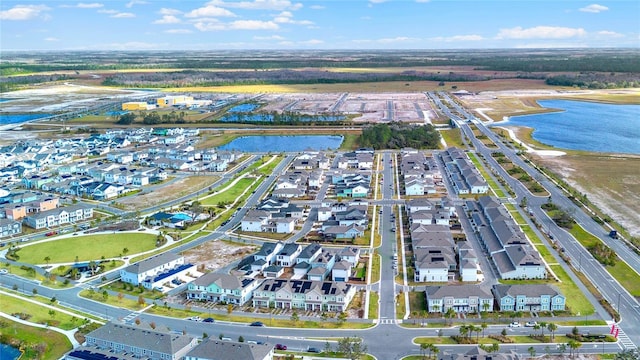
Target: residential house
(154,271)
(341,271)
(215,349)
(460,298)
(222,288)
(540,297)
(304,294)
(9,227)
(287,256)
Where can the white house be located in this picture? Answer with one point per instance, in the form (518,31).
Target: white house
(341,271)
(154,271)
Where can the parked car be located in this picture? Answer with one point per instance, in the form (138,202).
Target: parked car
(256,323)
(313,350)
(530,324)
(514,324)
(281,347)
(195,318)
(208,320)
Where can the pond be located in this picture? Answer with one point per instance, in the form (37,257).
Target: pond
(18,118)
(585,126)
(277,143)
(8,352)
(243,108)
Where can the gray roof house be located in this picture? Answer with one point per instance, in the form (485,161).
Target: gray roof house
(213,349)
(460,298)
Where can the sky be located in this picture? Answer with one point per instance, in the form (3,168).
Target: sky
(329,24)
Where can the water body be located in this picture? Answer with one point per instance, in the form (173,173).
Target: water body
(586,126)
(243,108)
(9,353)
(242,113)
(277,143)
(19,118)
(6,99)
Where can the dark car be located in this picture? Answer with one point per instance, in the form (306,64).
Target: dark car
(209,320)
(281,347)
(313,350)
(256,323)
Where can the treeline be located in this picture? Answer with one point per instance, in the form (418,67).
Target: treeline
(398,135)
(596,80)
(221,78)
(152,118)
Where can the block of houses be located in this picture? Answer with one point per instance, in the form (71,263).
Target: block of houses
(215,349)
(540,297)
(59,216)
(519,262)
(460,298)
(222,288)
(9,227)
(344,232)
(304,294)
(151,273)
(141,342)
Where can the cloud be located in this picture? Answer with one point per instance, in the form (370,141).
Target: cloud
(51,39)
(123,15)
(168,19)
(131,3)
(272,37)
(210,11)
(132,45)
(457,38)
(178,31)
(311,42)
(167,11)
(398,39)
(316,7)
(84,6)
(23,12)
(608,33)
(594,8)
(540,32)
(214,25)
(259,4)
(285,17)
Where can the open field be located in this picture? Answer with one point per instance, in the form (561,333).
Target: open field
(85,248)
(452,137)
(229,195)
(56,344)
(168,192)
(611,182)
(39,314)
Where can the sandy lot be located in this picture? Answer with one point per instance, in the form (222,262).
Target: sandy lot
(217,254)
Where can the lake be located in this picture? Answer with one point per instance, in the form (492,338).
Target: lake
(585,126)
(9,353)
(18,118)
(277,143)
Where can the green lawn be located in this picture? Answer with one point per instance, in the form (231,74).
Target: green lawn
(39,314)
(85,248)
(622,272)
(515,213)
(375,268)
(55,344)
(452,137)
(492,184)
(231,194)
(268,169)
(373,304)
(417,302)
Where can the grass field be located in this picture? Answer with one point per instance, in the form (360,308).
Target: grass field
(626,276)
(86,248)
(373,304)
(492,184)
(39,314)
(56,344)
(229,195)
(452,137)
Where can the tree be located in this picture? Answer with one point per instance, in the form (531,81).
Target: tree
(543,325)
(562,348)
(120,297)
(524,202)
(504,332)
(52,313)
(47,259)
(295,317)
(152,325)
(575,331)
(532,351)
(450,313)
(342,317)
(552,328)
(240,338)
(327,347)
(423,349)
(495,347)
(141,300)
(125,251)
(105,295)
(126,119)
(484,327)
(229,308)
(352,347)
(573,346)
(35,291)
(485,307)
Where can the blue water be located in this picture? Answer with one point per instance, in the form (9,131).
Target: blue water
(586,126)
(6,99)
(248,117)
(278,143)
(18,118)
(243,108)
(9,353)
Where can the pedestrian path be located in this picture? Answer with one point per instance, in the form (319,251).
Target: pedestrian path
(626,341)
(387,321)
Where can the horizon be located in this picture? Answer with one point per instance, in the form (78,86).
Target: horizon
(316,25)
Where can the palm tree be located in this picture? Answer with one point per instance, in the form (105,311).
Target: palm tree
(47,259)
(536,327)
(532,351)
(484,327)
(464,330)
(485,307)
(450,313)
(543,325)
(574,345)
(435,350)
(423,349)
(552,327)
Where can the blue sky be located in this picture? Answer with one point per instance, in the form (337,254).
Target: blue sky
(333,24)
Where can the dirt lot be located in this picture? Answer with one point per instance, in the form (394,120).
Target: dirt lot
(173,190)
(217,254)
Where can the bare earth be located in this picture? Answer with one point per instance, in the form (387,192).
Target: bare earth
(217,254)
(173,190)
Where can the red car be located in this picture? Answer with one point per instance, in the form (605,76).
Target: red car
(51,233)
(281,347)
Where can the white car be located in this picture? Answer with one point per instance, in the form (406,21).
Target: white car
(530,324)
(514,324)
(4,271)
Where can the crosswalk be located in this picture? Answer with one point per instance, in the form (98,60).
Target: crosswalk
(129,318)
(626,341)
(387,321)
